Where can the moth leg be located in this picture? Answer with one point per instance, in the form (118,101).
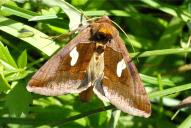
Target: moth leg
(87,94)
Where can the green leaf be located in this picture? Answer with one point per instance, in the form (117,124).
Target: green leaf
(8,2)
(156,53)
(154,80)
(4,85)
(50,11)
(18,100)
(186,123)
(114,118)
(6,58)
(12,72)
(108,13)
(16,74)
(22,60)
(38,40)
(38,18)
(168,39)
(18,11)
(79,2)
(74,15)
(172,10)
(170,91)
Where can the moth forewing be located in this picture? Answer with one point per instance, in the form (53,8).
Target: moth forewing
(65,72)
(123,86)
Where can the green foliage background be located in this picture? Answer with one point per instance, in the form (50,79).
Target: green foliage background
(159,32)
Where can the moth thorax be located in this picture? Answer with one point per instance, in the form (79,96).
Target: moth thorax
(102,35)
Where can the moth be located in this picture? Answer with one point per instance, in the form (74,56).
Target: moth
(95,60)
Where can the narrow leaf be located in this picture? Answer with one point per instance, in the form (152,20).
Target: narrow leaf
(6,58)
(186,123)
(170,91)
(18,11)
(38,40)
(22,60)
(4,85)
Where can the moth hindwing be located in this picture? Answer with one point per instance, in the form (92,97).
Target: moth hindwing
(95,60)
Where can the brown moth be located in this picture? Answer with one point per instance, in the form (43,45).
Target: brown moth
(96,59)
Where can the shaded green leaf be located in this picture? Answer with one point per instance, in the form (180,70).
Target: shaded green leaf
(18,100)
(168,38)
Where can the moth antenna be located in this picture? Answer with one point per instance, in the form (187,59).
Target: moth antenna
(88,19)
(136,56)
(80,27)
(126,36)
(65,35)
(93,19)
(83,15)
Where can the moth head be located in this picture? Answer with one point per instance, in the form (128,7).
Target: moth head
(102,31)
